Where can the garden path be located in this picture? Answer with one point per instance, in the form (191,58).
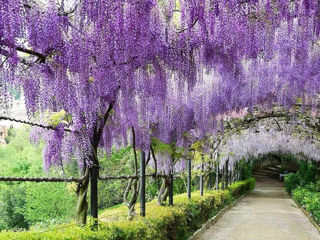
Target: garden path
(267,213)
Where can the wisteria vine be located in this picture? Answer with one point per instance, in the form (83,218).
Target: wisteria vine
(161,67)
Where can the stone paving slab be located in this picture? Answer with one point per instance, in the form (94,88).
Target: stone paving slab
(267,213)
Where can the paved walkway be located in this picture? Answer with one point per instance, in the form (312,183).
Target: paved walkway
(267,213)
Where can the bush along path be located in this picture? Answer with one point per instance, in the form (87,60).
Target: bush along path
(161,223)
(304,187)
(265,213)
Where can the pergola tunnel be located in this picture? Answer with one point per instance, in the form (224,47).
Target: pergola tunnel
(227,164)
(145,119)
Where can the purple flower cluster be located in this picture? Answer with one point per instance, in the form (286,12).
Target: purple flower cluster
(165,67)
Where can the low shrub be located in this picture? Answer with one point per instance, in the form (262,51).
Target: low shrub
(305,177)
(291,182)
(239,188)
(161,223)
(308,200)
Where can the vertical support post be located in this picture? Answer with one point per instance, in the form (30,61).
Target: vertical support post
(210,181)
(227,174)
(173,140)
(201,179)
(217,176)
(170,189)
(223,178)
(94,173)
(189,178)
(143,184)
(236,175)
(236,172)
(201,185)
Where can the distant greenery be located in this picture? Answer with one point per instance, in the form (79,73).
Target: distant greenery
(23,204)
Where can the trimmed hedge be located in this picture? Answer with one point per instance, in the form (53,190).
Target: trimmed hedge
(308,200)
(239,188)
(162,223)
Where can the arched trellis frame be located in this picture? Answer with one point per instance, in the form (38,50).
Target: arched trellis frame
(299,119)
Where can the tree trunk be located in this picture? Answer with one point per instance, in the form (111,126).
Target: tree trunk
(94,173)
(189,179)
(143,184)
(170,190)
(217,176)
(227,175)
(134,186)
(164,190)
(222,178)
(82,204)
(201,177)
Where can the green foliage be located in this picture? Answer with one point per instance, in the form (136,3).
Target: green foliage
(11,134)
(245,169)
(24,204)
(55,118)
(179,186)
(40,205)
(120,162)
(288,161)
(161,147)
(308,200)
(313,187)
(291,182)
(304,188)
(12,200)
(161,223)
(239,188)
(48,203)
(305,177)
(307,173)
(165,148)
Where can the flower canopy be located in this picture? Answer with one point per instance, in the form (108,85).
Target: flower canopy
(164,67)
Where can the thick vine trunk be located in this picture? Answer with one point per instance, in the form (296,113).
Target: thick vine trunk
(133,185)
(82,190)
(82,204)
(164,190)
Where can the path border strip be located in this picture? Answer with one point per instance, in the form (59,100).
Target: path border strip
(216,217)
